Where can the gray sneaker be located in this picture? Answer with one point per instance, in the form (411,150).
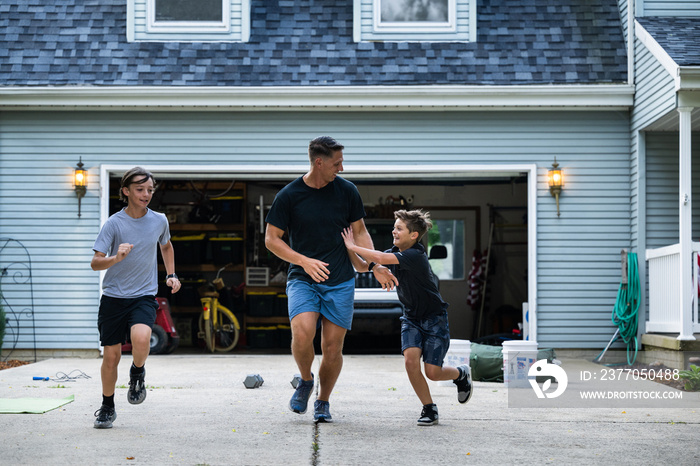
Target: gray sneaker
(429,415)
(300,399)
(322,411)
(105,417)
(464,384)
(137,389)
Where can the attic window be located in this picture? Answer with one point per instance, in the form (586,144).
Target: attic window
(414,15)
(189,15)
(414,20)
(188,10)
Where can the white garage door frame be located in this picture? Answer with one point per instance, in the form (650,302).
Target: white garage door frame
(380,173)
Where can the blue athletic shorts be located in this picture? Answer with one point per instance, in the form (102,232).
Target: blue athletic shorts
(335,303)
(117,315)
(431,334)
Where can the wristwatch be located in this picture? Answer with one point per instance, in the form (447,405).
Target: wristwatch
(172,275)
(371,266)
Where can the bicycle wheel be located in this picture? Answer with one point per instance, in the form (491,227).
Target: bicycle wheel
(223,336)
(207,328)
(226,330)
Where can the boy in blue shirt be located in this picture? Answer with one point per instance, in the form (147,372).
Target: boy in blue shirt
(424,326)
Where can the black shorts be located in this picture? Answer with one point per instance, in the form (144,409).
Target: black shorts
(118,315)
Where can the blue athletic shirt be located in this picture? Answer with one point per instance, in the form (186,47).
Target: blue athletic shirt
(417,290)
(314,219)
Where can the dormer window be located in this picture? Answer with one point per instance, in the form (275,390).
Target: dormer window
(415,20)
(188,20)
(414,15)
(202,15)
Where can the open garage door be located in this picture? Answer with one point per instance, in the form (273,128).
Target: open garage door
(479,211)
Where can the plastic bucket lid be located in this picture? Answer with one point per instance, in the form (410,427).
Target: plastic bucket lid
(518,345)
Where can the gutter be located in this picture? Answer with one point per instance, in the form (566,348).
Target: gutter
(332,98)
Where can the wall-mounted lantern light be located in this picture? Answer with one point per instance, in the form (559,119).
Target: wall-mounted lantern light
(80,181)
(555,182)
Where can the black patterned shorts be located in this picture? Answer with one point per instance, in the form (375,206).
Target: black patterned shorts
(432,335)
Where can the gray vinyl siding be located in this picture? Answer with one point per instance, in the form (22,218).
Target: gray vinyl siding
(578,253)
(662,188)
(655,93)
(622,6)
(655,96)
(670,8)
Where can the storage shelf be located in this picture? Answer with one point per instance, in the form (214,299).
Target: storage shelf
(207,227)
(284,320)
(205,268)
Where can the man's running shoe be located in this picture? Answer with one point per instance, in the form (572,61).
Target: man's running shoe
(464,384)
(137,389)
(322,411)
(429,415)
(300,399)
(105,417)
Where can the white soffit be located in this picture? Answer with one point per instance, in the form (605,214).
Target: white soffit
(339,98)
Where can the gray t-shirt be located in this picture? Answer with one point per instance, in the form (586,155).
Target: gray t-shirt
(137,274)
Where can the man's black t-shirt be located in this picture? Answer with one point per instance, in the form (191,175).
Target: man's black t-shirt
(314,219)
(417,289)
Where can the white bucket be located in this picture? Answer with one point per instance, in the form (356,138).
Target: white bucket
(518,356)
(457,355)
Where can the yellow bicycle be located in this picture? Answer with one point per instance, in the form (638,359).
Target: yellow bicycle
(218,326)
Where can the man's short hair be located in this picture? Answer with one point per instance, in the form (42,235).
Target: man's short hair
(136,175)
(415,220)
(323,146)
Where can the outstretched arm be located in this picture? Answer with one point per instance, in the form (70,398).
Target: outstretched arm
(371,255)
(382,274)
(317,270)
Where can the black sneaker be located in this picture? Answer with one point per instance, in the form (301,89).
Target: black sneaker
(464,384)
(105,417)
(429,415)
(137,389)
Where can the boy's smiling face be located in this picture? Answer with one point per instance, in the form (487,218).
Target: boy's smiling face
(403,239)
(140,194)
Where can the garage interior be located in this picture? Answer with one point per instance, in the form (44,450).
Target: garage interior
(216,228)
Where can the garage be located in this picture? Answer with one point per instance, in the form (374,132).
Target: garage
(479,212)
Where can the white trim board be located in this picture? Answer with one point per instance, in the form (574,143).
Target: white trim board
(360,171)
(336,98)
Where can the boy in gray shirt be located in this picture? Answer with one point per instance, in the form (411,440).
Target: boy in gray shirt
(126,248)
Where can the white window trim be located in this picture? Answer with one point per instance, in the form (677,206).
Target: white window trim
(223,26)
(417,26)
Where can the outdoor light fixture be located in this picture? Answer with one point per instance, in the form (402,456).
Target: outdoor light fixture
(555,182)
(80,182)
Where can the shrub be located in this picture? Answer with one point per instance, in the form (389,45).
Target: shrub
(692,378)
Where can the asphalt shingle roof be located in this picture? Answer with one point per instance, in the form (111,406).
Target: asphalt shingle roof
(679,37)
(309,42)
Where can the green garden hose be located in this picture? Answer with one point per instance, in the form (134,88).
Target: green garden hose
(626,311)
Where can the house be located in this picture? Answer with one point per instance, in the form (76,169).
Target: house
(461,109)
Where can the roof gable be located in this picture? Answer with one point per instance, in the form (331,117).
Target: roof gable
(679,37)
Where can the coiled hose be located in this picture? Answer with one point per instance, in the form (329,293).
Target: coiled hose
(626,311)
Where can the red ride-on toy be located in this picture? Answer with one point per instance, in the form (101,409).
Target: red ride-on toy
(164,337)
